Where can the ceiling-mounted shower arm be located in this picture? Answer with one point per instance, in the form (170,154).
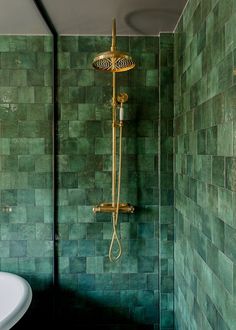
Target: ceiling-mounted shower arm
(113,43)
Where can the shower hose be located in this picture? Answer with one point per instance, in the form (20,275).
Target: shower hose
(115,255)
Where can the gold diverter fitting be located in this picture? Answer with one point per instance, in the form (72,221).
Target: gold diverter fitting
(114,61)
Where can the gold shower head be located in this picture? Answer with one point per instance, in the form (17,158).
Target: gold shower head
(113,61)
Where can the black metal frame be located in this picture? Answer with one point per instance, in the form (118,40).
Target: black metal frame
(42,10)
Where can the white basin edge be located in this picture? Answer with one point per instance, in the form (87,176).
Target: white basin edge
(13,316)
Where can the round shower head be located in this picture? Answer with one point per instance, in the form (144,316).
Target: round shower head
(113,61)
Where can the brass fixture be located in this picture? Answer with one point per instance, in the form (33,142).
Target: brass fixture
(114,61)
(108,208)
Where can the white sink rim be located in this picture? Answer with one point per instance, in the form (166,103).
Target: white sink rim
(14,306)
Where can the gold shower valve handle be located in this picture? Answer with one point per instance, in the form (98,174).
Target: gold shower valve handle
(122,98)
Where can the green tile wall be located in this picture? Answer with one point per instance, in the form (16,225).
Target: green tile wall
(25,160)
(132,293)
(166,191)
(204,140)
(123,294)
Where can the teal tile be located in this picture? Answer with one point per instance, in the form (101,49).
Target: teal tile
(230,173)
(69,248)
(77,265)
(86,247)
(27,265)
(39,248)
(44,265)
(86,282)
(225,205)
(94,265)
(218,171)
(225,133)
(212,138)
(18,248)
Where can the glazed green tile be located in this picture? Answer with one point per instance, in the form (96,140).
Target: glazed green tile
(86,282)
(93,128)
(9,197)
(26,95)
(43,163)
(77,94)
(68,248)
(35,77)
(103,281)
(230,104)
(230,173)
(68,44)
(26,163)
(84,213)
(44,60)
(43,197)
(18,43)
(25,196)
(85,77)
(18,215)
(68,78)
(37,146)
(225,133)
(24,60)
(225,77)
(201,142)
(43,94)
(94,231)
(18,248)
(146,264)
(5,249)
(67,214)
(44,265)
(212,136)
(225,205)
(77,265)
(102,146)
(9,163)
(130,265)
(226,273)
(5,77)
(39,248)
(10,265)
(94,265)
(27,265)
(4,146)
(86,247)
(213,199)
(8,94)
(4,43)
(63,265)
(218,171)
(218,109)
(218,233)
(213,257)
(64,60)
(43,231)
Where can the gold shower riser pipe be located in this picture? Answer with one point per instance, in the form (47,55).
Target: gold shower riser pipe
(113,139)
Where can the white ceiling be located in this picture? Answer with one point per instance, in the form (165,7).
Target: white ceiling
(20,17)
(91,17)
